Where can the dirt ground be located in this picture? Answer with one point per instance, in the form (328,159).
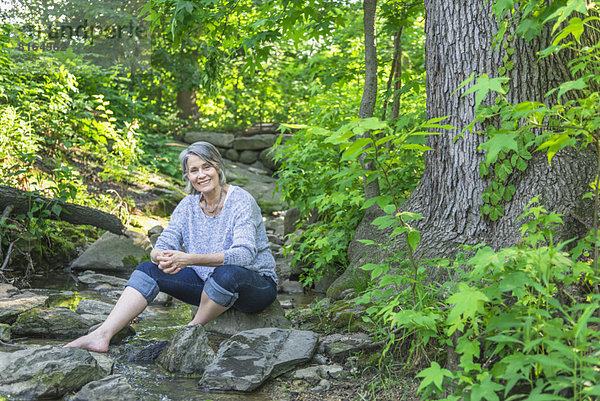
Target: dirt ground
(356,388)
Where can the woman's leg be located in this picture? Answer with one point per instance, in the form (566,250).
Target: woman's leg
(130,304)
(142,287)
(207,311)
(243,289)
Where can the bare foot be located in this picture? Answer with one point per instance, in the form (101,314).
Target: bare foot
(91,342)
(192,323)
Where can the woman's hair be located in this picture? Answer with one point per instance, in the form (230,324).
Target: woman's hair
(206,152)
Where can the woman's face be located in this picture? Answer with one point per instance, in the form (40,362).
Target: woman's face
(202,175)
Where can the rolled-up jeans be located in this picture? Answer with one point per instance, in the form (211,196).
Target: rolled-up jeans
(228,285)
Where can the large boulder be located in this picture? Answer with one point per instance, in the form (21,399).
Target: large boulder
(249,358)
(217,139)
(234,321)
(260,186)
(46,372)
(188,352)
(18,302)
(248,156)
(110,388)
(57,322)
(117,253)
(267,158)
(255,142)
(232,155)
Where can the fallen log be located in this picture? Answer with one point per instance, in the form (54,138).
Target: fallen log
(21,202)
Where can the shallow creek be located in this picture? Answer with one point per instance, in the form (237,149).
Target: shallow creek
(155,324)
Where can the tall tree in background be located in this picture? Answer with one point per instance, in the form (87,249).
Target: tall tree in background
(459,37)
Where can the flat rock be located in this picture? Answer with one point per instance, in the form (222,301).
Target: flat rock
(57,322)
(46,372)
(7,290)
(188,352)
(254,142)
(121,253)
(220,140)
(13,306)
(249,358)
(340,346)
(94,280)
(4,332)
(261,128)
(314,374)
(93,307)
(233,321)
(110,388)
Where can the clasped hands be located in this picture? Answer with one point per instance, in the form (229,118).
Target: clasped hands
(170,261)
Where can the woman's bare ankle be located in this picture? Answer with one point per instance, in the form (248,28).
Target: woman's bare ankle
(96,341)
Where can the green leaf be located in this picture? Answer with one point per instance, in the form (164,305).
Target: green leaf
(467,303)
(485,388)
(434,374)
(415,146)
(565,12)
(373,124)
(568,86)
(498,143)
(575,28)
(556,143)
(357,147)
(413,237)
(483,85)
(483,170)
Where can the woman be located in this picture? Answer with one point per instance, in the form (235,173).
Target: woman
(225,260)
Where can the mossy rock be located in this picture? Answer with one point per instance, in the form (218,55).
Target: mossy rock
(163,206)
(58,322)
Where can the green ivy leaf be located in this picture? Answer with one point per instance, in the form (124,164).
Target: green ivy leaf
(485,209)
(483,170)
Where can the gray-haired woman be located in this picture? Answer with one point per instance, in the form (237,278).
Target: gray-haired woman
(214,253)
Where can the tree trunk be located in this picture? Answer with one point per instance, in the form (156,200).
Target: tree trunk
(186,101)
(458,42)
(369,96)
(20,201)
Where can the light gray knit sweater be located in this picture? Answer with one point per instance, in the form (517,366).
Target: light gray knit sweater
(238,231)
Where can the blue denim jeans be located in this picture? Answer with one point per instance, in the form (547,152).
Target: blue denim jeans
(228,285)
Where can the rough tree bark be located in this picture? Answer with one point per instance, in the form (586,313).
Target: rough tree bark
(458,42)
(71,213)
(369,96)
(186,102)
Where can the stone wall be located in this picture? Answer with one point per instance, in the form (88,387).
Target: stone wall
(250,147)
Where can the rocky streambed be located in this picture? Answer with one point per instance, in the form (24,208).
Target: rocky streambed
(157,357)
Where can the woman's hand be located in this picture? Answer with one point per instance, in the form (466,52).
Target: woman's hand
(172,262)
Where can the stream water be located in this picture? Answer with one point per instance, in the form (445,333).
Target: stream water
(155,324)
